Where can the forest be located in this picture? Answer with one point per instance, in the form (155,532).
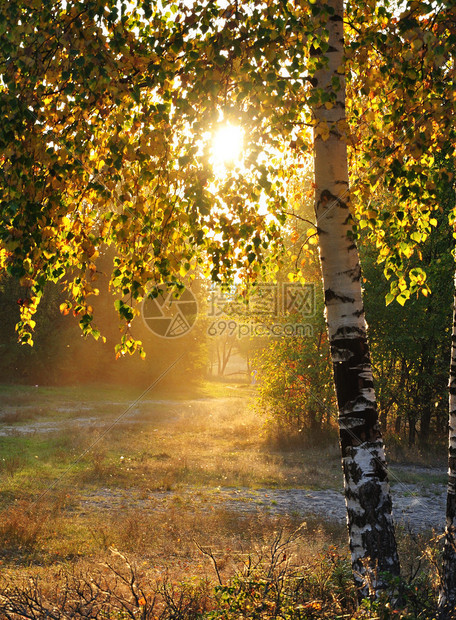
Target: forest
(227,309)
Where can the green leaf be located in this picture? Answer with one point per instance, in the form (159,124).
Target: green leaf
(389,298)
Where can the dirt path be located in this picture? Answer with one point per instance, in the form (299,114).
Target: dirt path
(83,415)
(417,506)
(412,509)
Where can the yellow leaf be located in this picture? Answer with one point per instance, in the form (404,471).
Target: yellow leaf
(322,130)
(26,282)
(408,252)
(182,271)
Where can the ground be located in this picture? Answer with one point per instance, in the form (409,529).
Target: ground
(89,469)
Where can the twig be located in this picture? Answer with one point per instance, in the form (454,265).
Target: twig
(208,552)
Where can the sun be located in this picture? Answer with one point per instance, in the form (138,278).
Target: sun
(227,145)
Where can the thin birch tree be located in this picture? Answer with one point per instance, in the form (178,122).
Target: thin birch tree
(447,598)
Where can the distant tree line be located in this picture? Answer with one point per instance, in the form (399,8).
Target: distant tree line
(61,355)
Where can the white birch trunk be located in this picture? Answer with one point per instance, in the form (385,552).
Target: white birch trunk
(447,598)
(367,493)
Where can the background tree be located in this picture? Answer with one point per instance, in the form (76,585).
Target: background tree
(410,343)
(296,388)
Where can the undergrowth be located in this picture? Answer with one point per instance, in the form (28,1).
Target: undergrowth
(268,583)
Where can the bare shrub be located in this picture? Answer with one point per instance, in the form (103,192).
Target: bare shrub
(114,589)
(12,464)
(21,526)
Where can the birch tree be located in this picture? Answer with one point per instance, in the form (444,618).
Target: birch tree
(371,531)
(447,598)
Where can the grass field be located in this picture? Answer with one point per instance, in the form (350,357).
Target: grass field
(97,485)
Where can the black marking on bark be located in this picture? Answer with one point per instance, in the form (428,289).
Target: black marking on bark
(335,18)
(355,273)
(331,296)
(366,431)
(451,508)
(345,331)
(328,199)
(358,313)
(354,472)
(340,354)
(351,379)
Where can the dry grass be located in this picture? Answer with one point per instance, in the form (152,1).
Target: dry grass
(290,576)
(160,446)
(263,582)
(147,487)
(95,485)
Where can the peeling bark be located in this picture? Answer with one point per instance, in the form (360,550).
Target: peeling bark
(368,500)
(447,598)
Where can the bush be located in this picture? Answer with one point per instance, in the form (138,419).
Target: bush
(296,387)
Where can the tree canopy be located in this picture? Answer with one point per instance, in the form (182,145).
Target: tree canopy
(108,109)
